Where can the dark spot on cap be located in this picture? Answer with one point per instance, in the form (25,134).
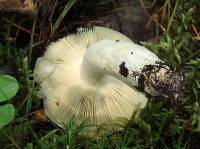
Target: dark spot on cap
(123,70)
(131,52)
(117,40)
(57,103)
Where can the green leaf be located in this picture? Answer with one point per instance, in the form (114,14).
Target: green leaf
(7,113)
(8,87)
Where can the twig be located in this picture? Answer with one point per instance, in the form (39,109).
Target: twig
(196,32)
(21,28)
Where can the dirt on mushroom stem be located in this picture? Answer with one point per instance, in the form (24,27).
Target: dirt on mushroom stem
(160,80)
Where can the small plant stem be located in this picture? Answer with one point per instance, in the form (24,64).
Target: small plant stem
(63,14)
(32,40)
(8,41)
(172,17)
(27,84)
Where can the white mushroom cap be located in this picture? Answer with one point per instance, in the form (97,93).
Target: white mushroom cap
(67,91)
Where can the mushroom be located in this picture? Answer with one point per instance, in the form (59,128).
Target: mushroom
(95,75)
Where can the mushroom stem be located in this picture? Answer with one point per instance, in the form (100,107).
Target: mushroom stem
(123,61)
(116,58)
